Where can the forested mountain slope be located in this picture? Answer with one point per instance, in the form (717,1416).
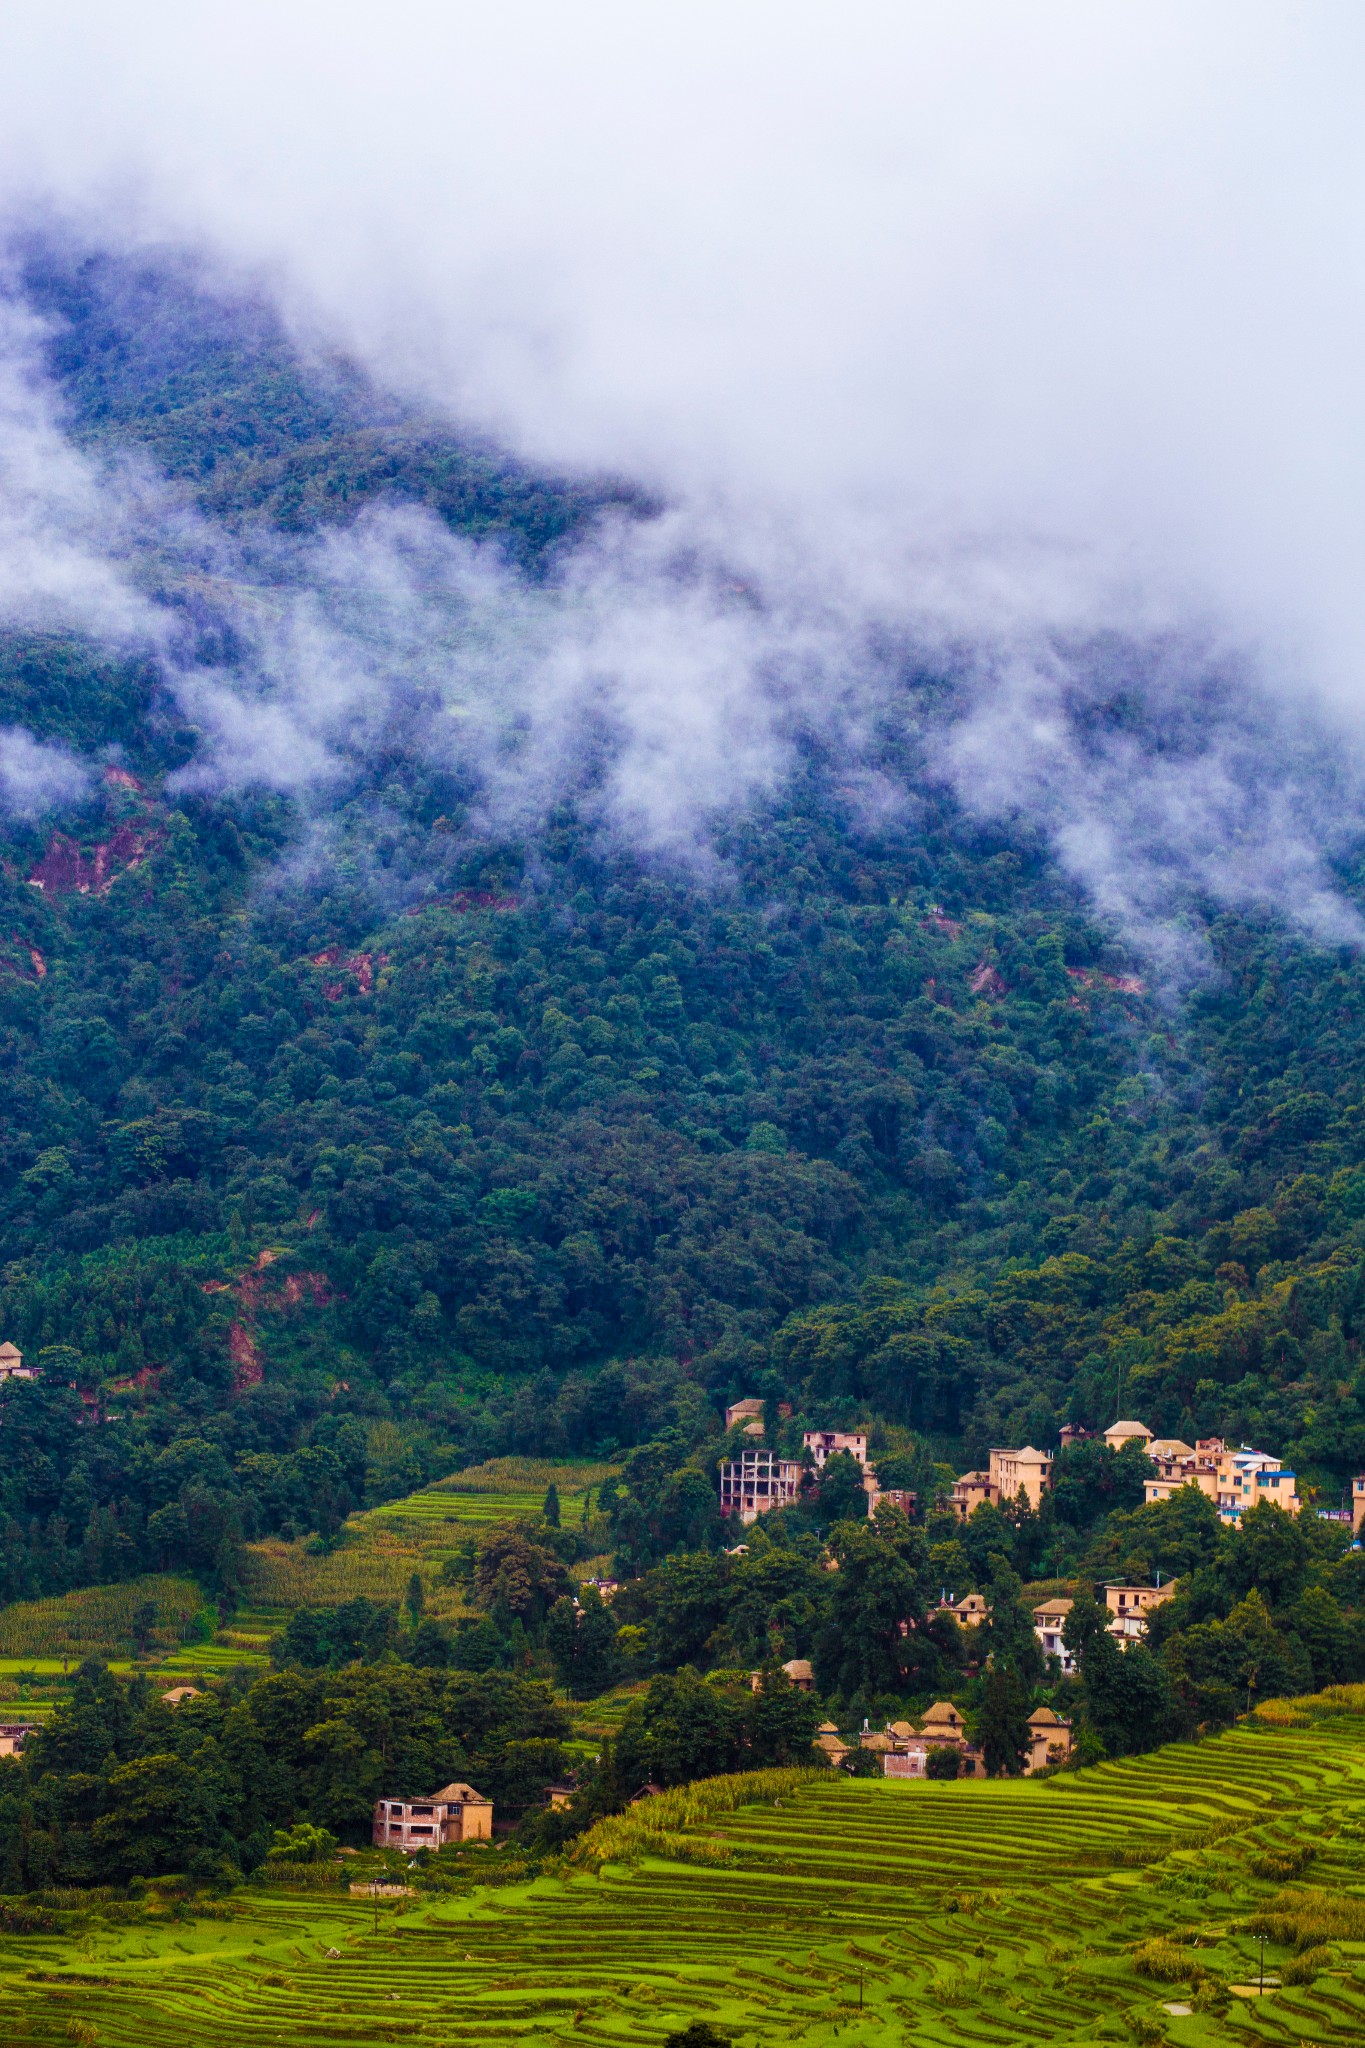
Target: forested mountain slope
(535,1140)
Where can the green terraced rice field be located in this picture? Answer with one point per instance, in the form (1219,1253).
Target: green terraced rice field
(459,1510)
(788,1907)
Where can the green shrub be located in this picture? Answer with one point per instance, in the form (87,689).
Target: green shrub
(1304,1919)
(1162,1959)
(303,1843)
(1282,1864)
(1304,1968)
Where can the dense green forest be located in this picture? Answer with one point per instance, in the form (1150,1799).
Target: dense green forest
(548,1144)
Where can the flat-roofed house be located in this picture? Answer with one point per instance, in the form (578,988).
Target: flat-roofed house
(901,1497)
(1246,1478)
(1049,1619)
(1125,1599)
(1357,1502)
(457,1813)
(1129,1607)
(13,1736)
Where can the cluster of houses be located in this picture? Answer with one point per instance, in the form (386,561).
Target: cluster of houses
(1129,1607)
(904,1749)
(1234,1480)
(756,1481)
(759,1480)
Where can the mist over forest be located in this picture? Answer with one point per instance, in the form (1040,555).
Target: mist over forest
(586,951)
(623,793)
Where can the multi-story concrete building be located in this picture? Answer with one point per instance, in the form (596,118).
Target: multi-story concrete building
(756,1482)
(823,1443)
(457,1813)
(895,1496)
(1177,1465)
(1129,1607)
(1028,1472)
(1011,1472)
(969,1492)
(1121,1598)
(1246,1477)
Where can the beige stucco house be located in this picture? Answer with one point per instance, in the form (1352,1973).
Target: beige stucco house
(1050,1741)
(1049,1619)
(1027,1471)
(969,1612)
(12,1365)
(1120,1433)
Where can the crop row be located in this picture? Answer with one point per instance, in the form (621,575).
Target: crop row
(975,1913)
(98,1618)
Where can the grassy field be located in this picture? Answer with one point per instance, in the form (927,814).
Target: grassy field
(790,1906)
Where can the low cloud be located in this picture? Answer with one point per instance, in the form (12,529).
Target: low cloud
(63,520)
(35,779)
(1019,349)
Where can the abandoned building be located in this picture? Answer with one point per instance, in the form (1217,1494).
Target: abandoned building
(756,1482)
(457,1813)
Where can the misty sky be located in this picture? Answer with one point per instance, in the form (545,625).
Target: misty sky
(1089,272)
(1013,319)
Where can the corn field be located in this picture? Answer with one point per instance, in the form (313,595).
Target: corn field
(99,1619)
